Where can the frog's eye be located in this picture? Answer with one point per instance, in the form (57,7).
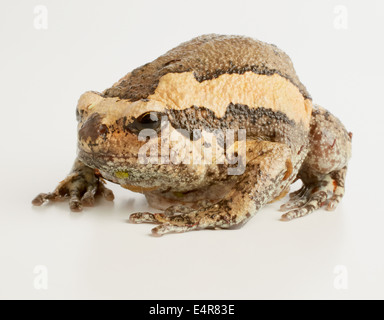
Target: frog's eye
(148,120)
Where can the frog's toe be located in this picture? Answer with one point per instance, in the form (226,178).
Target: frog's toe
(75,203)
(294,203)
(146,217)
(298,193)
(104,191)
(39,199)
(335,199)
(42,198)
(329,191)
(332,204)
(171,228)
(316,200)
(172,211)
(297,199)
(167,224)
(94,191)
(88,199)
(78,191)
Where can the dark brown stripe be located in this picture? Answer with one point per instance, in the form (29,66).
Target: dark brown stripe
(261,123)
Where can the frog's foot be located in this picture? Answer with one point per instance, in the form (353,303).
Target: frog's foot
(168,223)
(147,217)
(311,197)
(191,219)
(80,192)
(81,187)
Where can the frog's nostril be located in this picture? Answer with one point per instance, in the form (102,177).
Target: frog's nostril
(93,128)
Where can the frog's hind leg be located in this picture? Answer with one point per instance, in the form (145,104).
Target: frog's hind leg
(265,170)
(324,169)
(313,196)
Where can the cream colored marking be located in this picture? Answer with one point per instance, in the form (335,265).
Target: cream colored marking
(113,109)
(180,91)
(87,99)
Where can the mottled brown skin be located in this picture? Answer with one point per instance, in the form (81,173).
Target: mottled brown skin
(231,54)
(211,82)
(324,169)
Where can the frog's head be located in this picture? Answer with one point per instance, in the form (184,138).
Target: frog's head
(123,140)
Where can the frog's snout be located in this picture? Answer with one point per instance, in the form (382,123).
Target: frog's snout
(93,128)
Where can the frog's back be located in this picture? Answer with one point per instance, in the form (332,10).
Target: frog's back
(208,57)
(220,82)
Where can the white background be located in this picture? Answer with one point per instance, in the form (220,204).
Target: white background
(95,254)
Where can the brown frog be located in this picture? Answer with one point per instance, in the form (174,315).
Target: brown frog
(234,98)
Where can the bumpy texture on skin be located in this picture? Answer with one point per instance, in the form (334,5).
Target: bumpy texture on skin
(324,169)
(210,83)
(265,170)
(208,57)
(259,123)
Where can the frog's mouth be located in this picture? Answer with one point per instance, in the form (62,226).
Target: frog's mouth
(123,171)
(96,159)
(102,161)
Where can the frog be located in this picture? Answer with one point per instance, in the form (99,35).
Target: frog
(228,84)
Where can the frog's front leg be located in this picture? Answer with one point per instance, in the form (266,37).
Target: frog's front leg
(266,171)
(81,187)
